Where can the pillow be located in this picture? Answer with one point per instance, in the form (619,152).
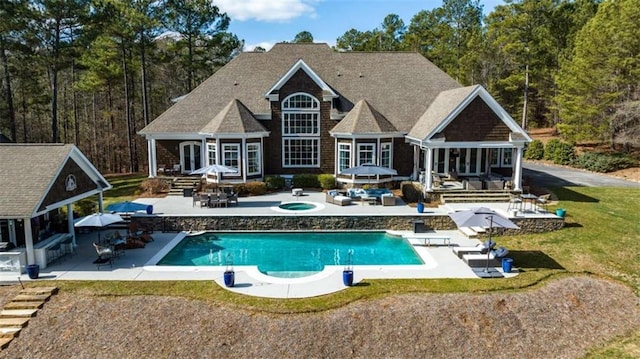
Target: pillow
(333,193)
(500,252)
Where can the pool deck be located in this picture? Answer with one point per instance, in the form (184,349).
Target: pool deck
(135,263)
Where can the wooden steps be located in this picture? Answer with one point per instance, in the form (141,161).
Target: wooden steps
(181,183)
(16,314)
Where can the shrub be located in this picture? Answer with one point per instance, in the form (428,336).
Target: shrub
(274,182)
(306,180)
(605,162)
(535,150)
(255,188)
(327,181)
(85,207)
(154,186)
(565,154)
(550,149)
(561,153)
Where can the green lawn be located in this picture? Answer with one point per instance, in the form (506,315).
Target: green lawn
(602,238)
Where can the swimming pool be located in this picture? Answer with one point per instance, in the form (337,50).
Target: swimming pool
(291,254)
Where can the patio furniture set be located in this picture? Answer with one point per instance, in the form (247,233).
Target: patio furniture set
(215,199)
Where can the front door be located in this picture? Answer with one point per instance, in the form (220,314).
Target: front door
(190,156)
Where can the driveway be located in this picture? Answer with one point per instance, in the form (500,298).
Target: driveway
(557,176)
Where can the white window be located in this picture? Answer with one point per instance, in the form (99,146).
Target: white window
(507,156)
(301,152)
(300,131)
(211,154)
(253,158)
(495,157)
(231,157)
(366,153)
(385,154)
(344,156)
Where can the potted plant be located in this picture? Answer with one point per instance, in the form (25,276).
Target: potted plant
(229,274)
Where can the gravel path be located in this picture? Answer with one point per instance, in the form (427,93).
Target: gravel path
(561,320)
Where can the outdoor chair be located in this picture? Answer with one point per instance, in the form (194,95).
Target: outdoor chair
(204,200)
(105,255)
(196,198)
(543,201)
(223,199)
(515,203)
(176,169)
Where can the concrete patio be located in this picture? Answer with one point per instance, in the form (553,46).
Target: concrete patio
(139,264)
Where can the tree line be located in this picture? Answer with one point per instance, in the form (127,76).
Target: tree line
(568,64)
(94,72)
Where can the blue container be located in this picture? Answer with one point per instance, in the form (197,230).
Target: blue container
(507,264)
(560,212)
(33,270)
(420,207)
(347,277)
(229,278)
(149,209)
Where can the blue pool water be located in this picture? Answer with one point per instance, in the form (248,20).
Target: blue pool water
(281,253)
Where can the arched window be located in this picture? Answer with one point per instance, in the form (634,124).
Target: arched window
(300,131)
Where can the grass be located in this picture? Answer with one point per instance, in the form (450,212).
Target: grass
(601,238)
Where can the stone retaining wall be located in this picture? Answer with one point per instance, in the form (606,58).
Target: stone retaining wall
(287,223)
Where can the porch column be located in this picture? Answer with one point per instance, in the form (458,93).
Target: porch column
(428,168)
(153,167)
(416,163)
(517,169)
(70,224)
(100,202)
(28,241)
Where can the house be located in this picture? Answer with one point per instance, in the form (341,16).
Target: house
(41,179)
(305,108)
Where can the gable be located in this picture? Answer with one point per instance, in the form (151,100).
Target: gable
(476,122)
(63,186)
(295,71)
(300,82)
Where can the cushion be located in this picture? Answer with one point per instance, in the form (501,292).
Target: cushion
(332,193)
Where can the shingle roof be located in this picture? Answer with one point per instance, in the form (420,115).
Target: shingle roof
(439,109)
(27,172)
(400,85)
(363,118)
(234,118)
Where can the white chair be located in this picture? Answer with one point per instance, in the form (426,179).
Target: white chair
(543,201)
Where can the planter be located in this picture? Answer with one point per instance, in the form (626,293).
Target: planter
(420,207)
(33,270)
(347,277)
(507,264)
(229,278)
(560,212)
(149,209)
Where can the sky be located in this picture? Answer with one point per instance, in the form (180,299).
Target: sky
(266,22)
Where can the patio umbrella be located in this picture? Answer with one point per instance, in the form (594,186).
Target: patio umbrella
(482,217)
(127,206)
(217,169)
(98,220)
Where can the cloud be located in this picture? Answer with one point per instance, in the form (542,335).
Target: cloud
(266,10)
(267,45)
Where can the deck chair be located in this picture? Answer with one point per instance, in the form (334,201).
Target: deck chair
(515,203)
(105,255)
(544,201)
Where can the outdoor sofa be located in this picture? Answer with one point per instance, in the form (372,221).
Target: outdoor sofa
(336,198)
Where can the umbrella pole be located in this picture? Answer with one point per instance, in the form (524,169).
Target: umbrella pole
(486,269)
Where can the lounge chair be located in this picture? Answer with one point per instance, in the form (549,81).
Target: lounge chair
(494,258)
(335,198)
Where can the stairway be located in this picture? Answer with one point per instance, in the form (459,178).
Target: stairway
(474,196)
(16,314)
(180,183)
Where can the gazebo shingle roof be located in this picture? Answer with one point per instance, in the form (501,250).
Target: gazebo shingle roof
(399,85)
(22,186)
